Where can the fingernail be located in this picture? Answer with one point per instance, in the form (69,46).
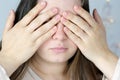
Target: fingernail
(43,3)
(76,7)
(55,10)
(55,28)
(65,13)
(63,19)
(58,17)
(65,29)
(96,11)
(11,11)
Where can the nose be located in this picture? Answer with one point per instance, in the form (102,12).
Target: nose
(60,34)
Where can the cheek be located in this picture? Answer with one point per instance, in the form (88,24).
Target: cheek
(45,44)
(73,47)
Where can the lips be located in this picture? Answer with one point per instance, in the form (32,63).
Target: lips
(59,49)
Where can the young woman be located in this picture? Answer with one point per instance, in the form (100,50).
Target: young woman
(56,40)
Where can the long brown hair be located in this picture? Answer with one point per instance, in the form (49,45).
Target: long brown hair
(79,66)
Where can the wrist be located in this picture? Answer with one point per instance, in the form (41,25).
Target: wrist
(107,63)
(8,63)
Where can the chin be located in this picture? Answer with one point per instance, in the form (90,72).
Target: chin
(57,58)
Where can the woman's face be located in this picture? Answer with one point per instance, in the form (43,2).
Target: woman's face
(59,48)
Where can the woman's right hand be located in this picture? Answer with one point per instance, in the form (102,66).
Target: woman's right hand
(21,41)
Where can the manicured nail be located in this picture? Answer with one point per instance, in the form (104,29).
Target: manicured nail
(55,10)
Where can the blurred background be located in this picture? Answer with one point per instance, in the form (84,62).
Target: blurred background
(108,9)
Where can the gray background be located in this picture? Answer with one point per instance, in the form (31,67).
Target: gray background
(108,11)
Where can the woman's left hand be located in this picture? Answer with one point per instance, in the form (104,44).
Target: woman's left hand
(87,32)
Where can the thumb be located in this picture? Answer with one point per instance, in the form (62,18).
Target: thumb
(10,21)
(97,17)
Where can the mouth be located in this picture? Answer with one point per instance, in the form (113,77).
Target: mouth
(59,49)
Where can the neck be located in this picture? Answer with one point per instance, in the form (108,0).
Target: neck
(49,70)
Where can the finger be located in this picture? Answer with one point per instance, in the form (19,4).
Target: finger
(77,40)
(97,16)
(75,29)
(33,13)
(77,20)
(10,21)
(98,19)
(44,17)
(46,27)
(85,15)
(45,37)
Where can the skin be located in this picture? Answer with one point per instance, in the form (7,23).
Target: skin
(46,57)
(33,39)
(84,30)
(89,31)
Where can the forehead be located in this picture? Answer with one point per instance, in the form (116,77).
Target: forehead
(63,5)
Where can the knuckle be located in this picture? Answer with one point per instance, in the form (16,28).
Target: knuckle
(89,17)
(75,38)
(43,38)
(53,21)
(74,17)
(82,11)
(68,23)
(46,16)
(72,25)
(39,19)
(77,30)
(37,8)
(47,26)
(71,15)
(50,24)
(49,14)
(31,13)
(19,24)
(44,28)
